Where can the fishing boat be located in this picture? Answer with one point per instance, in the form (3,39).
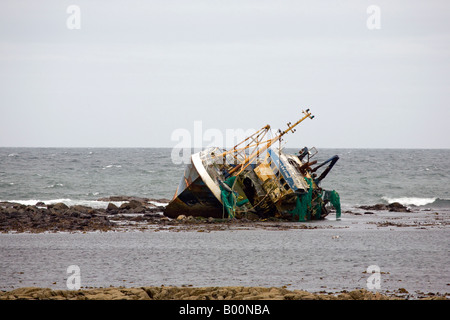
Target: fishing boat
(255,178)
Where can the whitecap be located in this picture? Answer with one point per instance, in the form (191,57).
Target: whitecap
(55,185)
(158,204)
(69,202)
(112,165)
(410,201)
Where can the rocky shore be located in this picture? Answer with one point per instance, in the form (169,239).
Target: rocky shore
(133,214)
(392,207)
(194,293)
(144,214)
(41,217)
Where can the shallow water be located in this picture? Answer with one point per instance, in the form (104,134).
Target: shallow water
(329,259)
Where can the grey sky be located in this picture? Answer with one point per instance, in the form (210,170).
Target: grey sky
(138,70)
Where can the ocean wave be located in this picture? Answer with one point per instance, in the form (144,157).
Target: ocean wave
(419,202)
(56,185)
(112,166)
(158,204)
(95,204)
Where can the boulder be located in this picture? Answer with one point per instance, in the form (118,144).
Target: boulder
(112,208)
(397,207)
(81,209)
(378,207)
(74,214)
(139,209)
(133,204)
(59,206)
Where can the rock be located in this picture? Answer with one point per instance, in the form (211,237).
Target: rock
(74,214)
(181,217)
(152,210)
(397,207)
(112,208)
(378,207)
(125,206)
(31,208)
(139,209)
(182,293)
(115,198)
(40,204)
(59,206)
(152,215)
(133,204)
(393,207)
(82,209)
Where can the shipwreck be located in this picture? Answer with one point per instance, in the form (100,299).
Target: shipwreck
(256,177)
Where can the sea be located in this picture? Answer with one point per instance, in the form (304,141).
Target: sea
(412,177)
(329,256)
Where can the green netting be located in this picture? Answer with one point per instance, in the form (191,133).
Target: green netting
(229,199)
(318,207)
(303,204)
(230,181)
(335,201)
(241,203)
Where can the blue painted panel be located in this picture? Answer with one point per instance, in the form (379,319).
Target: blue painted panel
(282,167)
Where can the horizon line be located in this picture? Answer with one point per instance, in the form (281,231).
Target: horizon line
(285,147)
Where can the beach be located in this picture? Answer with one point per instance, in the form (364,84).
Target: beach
(126,251)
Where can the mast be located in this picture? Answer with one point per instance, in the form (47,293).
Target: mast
(258,145)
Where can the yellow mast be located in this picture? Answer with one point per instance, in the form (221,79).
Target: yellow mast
(265,144)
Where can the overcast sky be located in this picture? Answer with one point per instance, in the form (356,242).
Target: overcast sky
(136,71)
